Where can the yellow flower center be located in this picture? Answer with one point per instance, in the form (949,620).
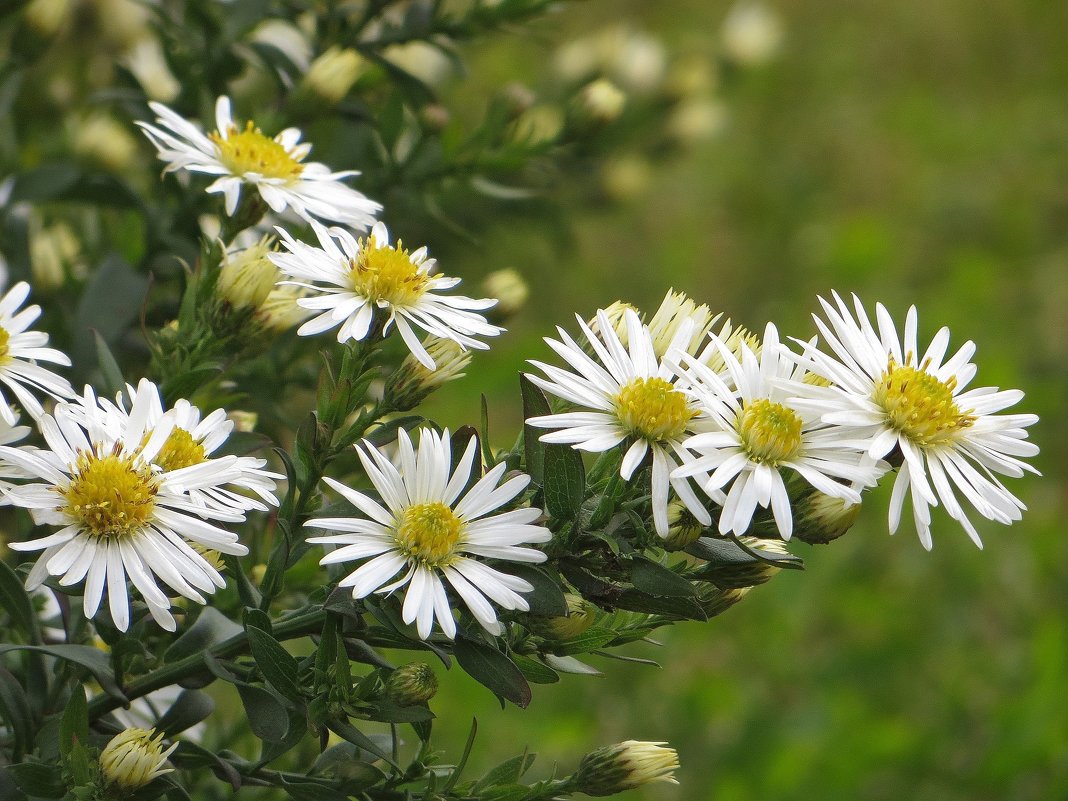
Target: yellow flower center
(113,496)
(919,405)
(250,151)
(4,337)
(770,432)
(387,273)
(428,533)
(180,450)
(652,409)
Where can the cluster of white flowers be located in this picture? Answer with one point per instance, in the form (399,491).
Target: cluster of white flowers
(740,418)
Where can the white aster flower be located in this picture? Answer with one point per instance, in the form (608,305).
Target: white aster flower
(897,400)
(119,515)
(761,433)
(191,442)
(361,275)
(427,527)
(632,396)
(275,167)
(20,350)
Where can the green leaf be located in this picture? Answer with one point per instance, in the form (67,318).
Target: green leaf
(508,772)
(111,301)
(534,405)
(589,640)
(267,717)
(15,712)
(506,792)
(654,579)
(565,481)
(37,779)
(210,629)
(16,602)
(388,712)
(568,664)
(74,725)
(534,671)
(109,368)
(547,598)
(492,669)
(359,739)
(188,709)
(278,666)
(92,659)
(47,182)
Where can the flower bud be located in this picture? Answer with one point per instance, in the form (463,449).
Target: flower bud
(280,312)
(149,66)
(714,601)
(625,177)
(510,290)
(734,337)
(683,528)
(616,314)
(414,683)
(752,33)
(736,576)
(54,253)
(247,276)
(624,766)
(676,311)
(243,421)
(412,381)
(134,757)
(822,518)
(539,125)
(579,617)
(601,101)
(696,120)
(332,74)
(101,139)
(47,16)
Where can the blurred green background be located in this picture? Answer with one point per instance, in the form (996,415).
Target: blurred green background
(913,152)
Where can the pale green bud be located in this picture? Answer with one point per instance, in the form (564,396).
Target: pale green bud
(580,616)
(247,276)
(715,601)
(625,177)
(510,290)
(601,101)
(414,683)
(752,33)
(675,311)
(822,518)
(54,254)
(101,139)
(624,766)
(539,124)
(47,16)
(696,120)
(333,74)
(134,757)
(413,381)
(683,528)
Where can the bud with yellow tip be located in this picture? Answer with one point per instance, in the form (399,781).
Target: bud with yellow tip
(624,766)
(247,276)
(821,518)
(414,683)
(134,757)
(413,381)
(579,617)
(683,528)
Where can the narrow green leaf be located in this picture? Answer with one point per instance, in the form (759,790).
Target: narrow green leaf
(74,725)
(493,669)
(568,664)
(534,405)
(508,772)
(38,780)
(455,775)
(724,551)
(92,659)
(589,640)
(188,709)
(279,668)
(109,368)
(547,597)
(16,602)
(15,712)
(534,671)
(654,579)
(211,628)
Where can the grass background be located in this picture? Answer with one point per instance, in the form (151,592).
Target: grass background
(914,152)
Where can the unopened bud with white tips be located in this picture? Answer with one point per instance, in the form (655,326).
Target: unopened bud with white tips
(413,381)
(624,766)
(134,757)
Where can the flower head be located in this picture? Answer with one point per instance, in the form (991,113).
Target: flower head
(428,527)
(349,278)
(20,350)
(134,757)
(895,400)
(761,433)
(630,396)
(276,167)
(120,514)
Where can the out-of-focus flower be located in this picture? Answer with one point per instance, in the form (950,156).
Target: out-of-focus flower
(102,139)
(362,275)
(431,529)
(625,177)
(124,22)
(510,290)
(752,33)
(286,37)
(624,766)
(422,60)
(539,124)
(149,65)
(134,757)
(696,120)
(333,73)
(46,17)
(55,254)
(275,167)
(601,101)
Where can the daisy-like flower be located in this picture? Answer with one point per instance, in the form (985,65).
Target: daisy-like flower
(950,439)
(275,167)
(349,278)
(428,528)
(761,433)
(20,350)
(633,396)
(191,442)
(119,515)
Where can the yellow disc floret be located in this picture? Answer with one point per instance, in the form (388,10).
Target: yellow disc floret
(113,496)
(180,450)
(920,405)
(770,432)
(428,533)
(249,151)
(383,272)
(652,409)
